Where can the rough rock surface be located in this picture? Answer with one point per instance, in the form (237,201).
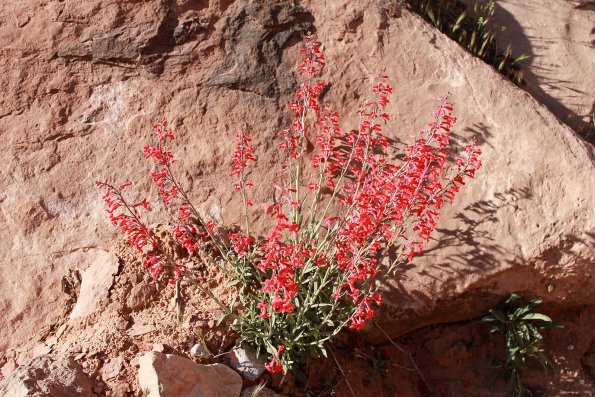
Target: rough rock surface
(559,39)
(96,282)
(112,368)
(168,375)
(524,223)
(44,376)
(245,361)
(84,80)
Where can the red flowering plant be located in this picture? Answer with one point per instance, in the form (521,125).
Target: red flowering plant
(335,215)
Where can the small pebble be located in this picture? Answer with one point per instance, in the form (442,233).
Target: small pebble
(134,362)
(199,351)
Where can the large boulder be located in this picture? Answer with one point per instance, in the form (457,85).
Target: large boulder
(524,224)
(84,80)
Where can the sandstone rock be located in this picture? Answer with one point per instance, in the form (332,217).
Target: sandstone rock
(121,388)
(61,330)
(45,377)
(51,341)
(112,368)
(168,375)
(522,223)
(135,361)
(141,329)
(588,360)
(140,295)
(78,102)
(8,368)
(244,360)
(40,349)
(159,347)
(97,279)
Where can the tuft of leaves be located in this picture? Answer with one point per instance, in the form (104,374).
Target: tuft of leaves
(520,326)
(468,26)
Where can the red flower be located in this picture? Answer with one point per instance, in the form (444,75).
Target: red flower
(240,242)
(274,366)
(263,309)
(243,153)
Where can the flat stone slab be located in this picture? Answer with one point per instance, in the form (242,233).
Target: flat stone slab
(96,282)
(169,375)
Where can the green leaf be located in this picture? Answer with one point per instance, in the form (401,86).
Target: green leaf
(233,282)
(536,316)
(520,58)
(457,24)
(498,315)
(233,303)
(521,310)
(512,350)
(323,351)
(221,319)
(321,304)
(510,298)
(532,305)
(472,42)
(547,324)
(430,15)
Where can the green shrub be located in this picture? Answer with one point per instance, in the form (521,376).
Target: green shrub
(520,327)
